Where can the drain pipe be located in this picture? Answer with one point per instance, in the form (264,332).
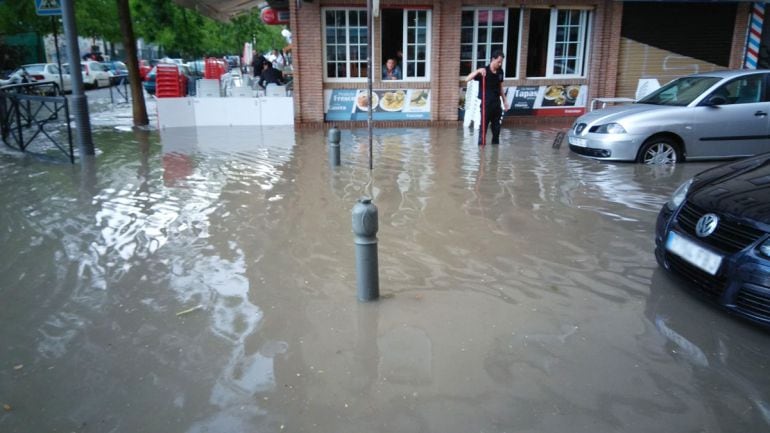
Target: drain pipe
(79,102)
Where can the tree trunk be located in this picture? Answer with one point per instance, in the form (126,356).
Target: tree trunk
(137,93)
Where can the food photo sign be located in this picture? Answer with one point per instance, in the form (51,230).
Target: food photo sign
(552,100)
(391,104)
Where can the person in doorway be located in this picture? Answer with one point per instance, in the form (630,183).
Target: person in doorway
(391,71)
(491,110)
(270,75)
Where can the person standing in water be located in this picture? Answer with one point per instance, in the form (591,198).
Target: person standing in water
(491,110)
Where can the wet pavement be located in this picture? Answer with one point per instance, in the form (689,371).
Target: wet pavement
(203,281)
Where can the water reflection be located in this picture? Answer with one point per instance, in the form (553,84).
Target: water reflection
(205,277)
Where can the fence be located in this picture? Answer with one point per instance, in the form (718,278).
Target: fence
(29,111)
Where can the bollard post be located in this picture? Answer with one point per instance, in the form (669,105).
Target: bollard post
(334,146)
(365,228)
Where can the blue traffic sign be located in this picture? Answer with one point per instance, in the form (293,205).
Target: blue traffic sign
(48,7)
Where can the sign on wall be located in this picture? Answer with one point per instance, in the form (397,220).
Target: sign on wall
(551,100)
(391,104)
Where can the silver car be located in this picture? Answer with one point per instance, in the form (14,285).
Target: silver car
(711,115)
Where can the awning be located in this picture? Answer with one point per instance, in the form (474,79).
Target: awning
(225,10)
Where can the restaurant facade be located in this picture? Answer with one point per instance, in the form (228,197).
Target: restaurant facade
(560,55)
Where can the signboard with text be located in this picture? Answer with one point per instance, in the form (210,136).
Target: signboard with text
(552,100)
(391,104)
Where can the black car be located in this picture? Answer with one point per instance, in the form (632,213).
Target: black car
(714,233)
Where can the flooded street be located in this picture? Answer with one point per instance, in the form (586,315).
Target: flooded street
(203,281)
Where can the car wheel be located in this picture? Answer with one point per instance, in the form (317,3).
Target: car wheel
(659,151)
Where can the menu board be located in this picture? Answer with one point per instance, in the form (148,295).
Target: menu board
(391,104)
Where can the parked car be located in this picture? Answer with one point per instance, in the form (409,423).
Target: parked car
(95,74)
(713,232)
(117,71)
(39,72)
(710,115)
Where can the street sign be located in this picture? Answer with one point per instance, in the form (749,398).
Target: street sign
(48,7)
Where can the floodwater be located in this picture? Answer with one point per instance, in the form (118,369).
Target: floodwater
(203,281)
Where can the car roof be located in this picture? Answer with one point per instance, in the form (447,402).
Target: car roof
(728,73)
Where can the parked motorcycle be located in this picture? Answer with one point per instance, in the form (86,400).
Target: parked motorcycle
(19,76)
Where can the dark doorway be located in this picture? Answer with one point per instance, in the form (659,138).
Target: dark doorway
(392,35)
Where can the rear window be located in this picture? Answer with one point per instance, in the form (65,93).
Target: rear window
(32,69)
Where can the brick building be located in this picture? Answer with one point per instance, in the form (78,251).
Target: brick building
(560,54)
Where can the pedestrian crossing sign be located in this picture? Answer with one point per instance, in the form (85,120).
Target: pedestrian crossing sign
(48,7)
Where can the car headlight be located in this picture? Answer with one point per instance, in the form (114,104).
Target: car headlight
(678,196)
(611,128)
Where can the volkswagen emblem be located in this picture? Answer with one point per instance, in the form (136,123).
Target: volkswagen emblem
(706,225)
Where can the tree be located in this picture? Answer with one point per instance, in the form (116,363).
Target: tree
(20,17)
(129,41)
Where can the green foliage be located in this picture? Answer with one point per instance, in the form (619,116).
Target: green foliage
(185,33)
(19,17)
(179,31)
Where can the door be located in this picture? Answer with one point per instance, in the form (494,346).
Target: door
(740,126)
(65,80)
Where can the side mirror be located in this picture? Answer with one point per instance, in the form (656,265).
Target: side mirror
(714,100)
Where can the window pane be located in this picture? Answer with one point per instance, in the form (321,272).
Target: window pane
(466,36)
(353,19)
(498,34)
(330,18)
(483,17)
(421,52)
(482,39)
(421,69)
(421,37)
(467,19)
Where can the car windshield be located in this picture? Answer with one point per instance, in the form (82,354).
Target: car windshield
(680,92)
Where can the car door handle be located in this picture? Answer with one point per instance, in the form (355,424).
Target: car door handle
(760,113)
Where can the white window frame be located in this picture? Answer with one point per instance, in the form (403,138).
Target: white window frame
(506,25)
(347,79)
(584,43)
(405,44)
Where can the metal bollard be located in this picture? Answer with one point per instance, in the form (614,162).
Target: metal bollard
(365,228)
(334,146)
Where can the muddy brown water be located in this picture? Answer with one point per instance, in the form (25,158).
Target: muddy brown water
(203,281)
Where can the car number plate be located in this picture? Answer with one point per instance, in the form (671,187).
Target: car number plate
(693,253)
(576,141)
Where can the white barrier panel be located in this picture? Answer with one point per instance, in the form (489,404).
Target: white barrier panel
(187,112)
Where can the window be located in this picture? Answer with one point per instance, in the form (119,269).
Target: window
(405,38)
(558,42)
(744,90)
(484,31)
(345,47)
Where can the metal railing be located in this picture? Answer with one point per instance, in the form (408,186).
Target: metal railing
(29,111)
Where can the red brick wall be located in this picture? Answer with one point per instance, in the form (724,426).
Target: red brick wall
(445,80)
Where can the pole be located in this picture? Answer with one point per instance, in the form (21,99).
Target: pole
(483,110)
(58,55)
(79,102)
(370,26)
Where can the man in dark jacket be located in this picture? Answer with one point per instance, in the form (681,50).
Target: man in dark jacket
(270,75)
(257,64)
(491,111)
